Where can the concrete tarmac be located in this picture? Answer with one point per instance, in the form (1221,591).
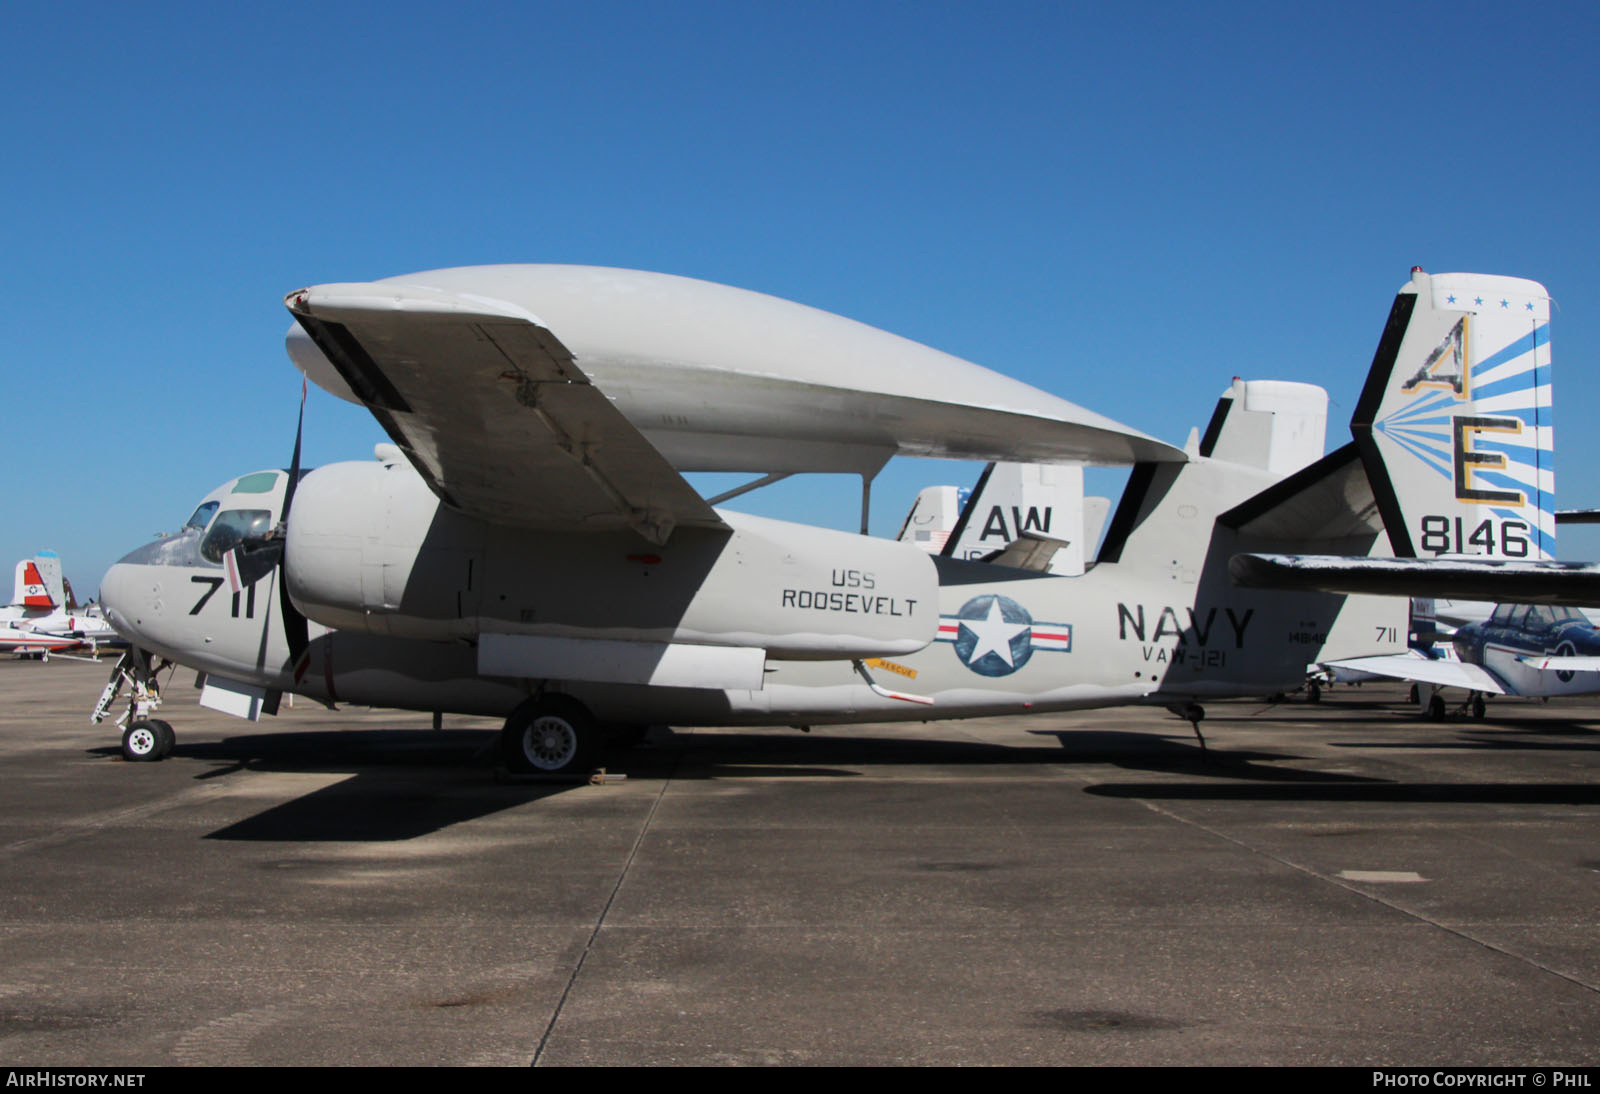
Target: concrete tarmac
(1338,883)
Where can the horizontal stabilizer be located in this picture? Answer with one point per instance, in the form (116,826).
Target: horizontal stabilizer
(1576,584)
(1330,499)
(1029,551)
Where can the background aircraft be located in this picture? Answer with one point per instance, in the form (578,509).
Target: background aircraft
(1521,649)
(43,618)
(528,547)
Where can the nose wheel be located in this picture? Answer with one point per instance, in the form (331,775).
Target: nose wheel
(147,740)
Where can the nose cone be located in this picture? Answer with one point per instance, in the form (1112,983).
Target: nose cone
(132,590)
(116,597)
(120,597)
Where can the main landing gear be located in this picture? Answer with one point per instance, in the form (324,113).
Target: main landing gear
(550,735)
(1431,704)
(1193,713)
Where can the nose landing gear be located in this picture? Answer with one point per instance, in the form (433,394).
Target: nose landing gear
(145,739)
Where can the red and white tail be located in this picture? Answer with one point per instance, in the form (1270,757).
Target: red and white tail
(30,590)
(39,583)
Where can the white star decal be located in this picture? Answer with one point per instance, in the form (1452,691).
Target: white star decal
(994,634)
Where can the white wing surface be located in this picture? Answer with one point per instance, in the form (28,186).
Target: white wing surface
(1400,666)
(717,378)
(491,409)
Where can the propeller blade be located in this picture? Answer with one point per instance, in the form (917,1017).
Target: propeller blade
(294,461)
(294,624)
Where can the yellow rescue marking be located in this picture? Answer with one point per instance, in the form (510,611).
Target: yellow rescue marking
(903,670)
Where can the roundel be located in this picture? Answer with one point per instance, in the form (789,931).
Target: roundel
(1566,649)
(995,636)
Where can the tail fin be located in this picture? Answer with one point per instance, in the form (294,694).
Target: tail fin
(1275,425)
(1016,498)
(933,516)
(38,582)
(49,564)
(1453,426)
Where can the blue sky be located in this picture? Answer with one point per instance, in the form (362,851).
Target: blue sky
(1126,209)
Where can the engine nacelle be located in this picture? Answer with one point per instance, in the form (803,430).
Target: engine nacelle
(370,548)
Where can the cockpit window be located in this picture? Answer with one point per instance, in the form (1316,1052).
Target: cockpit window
(262,482)
(202,516)
(230,528)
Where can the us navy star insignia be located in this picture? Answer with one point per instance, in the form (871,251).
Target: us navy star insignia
(994,635)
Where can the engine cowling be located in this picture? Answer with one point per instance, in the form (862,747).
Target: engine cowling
(370,548)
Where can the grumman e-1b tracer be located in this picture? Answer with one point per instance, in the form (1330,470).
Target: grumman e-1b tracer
(528,546)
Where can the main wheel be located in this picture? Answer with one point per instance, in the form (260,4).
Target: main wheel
(549,735)
(142,742)
(1436,708)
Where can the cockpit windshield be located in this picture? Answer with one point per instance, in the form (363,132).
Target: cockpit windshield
(231,527)
(202,516)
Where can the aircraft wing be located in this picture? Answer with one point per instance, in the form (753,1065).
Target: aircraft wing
(1576,584)
(1401,666)
(491,409)
(1561,664)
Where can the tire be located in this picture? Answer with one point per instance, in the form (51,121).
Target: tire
(550,735)
(142,741)
(169,739)
(1479,708)
(1313,693)
(1436,708)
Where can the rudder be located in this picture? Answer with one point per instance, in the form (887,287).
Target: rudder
(1454,423)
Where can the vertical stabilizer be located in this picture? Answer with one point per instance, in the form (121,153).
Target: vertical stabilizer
(32,588)
(1454,425)
(49,566)
(1276,425)
(933,515)
(1013,498)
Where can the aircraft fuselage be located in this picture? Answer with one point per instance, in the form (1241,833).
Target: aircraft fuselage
(976,638)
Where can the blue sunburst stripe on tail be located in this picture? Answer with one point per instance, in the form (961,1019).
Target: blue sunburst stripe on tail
(1432,442)
(1529,416)
(1525,380)
(1539,336)
(1434,403)
(1514,399)
(1427,456)
(1512,445)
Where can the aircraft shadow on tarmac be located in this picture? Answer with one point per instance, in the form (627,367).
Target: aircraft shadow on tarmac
(382,800)
(385,800)
(1484,793)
